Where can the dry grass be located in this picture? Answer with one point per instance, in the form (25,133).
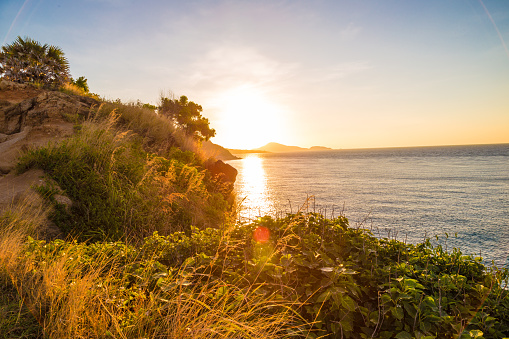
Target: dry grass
(16,223)
(69,304)
(70,88)
(73,298)
(158,134)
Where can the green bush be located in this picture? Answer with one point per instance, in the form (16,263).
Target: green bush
(349,284)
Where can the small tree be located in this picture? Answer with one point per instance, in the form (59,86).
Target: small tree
(81,82)
(26,60)
(187,115)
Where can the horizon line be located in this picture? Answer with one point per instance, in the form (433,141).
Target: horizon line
(359,148)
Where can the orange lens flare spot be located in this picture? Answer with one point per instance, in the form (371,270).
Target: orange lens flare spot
(261,234)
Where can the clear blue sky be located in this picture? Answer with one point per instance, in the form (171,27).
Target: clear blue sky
(336,73)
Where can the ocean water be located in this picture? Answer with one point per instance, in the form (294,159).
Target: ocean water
(404,193)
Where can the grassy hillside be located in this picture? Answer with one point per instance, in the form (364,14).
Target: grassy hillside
(152,251)
(122,192)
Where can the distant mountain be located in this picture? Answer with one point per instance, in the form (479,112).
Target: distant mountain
(277,148)
(217,152)
(320,148)
(280,148)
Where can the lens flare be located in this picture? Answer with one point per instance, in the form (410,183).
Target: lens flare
(261,234)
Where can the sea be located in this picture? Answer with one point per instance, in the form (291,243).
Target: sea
(457,196)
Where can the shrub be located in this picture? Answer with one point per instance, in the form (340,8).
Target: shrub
(186,115)
(349,284)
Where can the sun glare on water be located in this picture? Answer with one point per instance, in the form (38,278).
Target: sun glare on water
(248,119)
(252,182)
(254,179)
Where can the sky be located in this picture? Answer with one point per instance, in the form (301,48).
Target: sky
(335,73)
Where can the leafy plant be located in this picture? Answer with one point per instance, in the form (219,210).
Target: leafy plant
(349,284)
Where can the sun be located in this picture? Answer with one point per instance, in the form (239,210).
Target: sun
(248,119)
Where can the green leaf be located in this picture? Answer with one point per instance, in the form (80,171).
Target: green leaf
(346,325)
(403,335)
(425,326)
(327,269)
(386,298)
(397,312)
(373,317)
(411,282)
(323,297)
(348,303)
(221,291)
(490,319)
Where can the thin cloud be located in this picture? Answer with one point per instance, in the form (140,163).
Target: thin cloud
(230,66)
(340,71)
(350,32)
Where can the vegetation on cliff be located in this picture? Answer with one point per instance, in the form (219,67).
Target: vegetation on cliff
(151,250)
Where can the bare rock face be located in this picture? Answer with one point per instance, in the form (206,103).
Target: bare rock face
(224,175)
(222,171)
(13,92)
(32,117)
(45,108)
(12,117)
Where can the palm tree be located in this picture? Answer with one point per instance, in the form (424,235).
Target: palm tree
(26,60)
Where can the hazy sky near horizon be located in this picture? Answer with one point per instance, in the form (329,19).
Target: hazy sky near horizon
(342,74)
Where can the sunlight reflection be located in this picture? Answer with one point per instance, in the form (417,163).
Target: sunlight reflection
(251,187)
(253,175)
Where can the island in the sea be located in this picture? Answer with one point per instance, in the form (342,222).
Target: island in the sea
(274,147)
(221,153)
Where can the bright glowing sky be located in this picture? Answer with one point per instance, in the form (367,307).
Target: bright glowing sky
(343,74)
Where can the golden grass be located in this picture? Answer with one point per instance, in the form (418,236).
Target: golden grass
(70,88)
(71,299)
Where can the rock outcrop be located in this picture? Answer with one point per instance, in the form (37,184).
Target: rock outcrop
(32,117)
(225,175)
(222,171)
